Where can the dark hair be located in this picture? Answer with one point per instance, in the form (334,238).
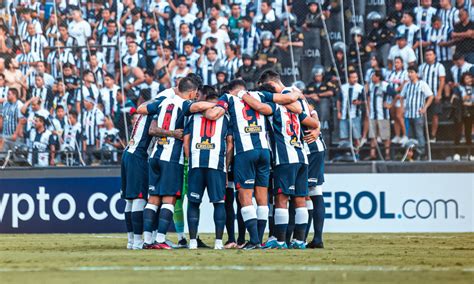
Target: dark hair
(236,83)
(430,49)
(458,56)
(234,4)
(378,74)
(268,2)
(59,107)
(463,77)
(111,22)
(352,72)
(197,79)
(247,18)
(182,55)
(269,75)
(149,73)
(412,68)
(209,49)
(398,57)
(435,18)
(266,88)
(132,35)
(14,92)
(209,92)
(73,113)
(211,19)
(2,75)
(187,84)
(63,25)
(216,5)
(109,75)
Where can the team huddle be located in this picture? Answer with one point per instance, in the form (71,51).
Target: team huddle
(263,144)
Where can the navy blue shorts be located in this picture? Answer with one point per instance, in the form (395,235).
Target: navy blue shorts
(252,168)
(291,179)
(316,169)
(134,171)
(166,179)
(201,178)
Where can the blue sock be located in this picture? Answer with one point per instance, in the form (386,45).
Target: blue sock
(310,222)
(240,224)
(137,221)
(128,221)
(230,214)
(249,215)
(262,217)
(166,216)
(281,223)
(193,219)
(149,215)
(271,221)
(301,221)
(291,223)
(219,219)
(318,217)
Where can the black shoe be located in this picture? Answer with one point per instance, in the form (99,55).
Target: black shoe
(201,244)
(250,246)
(314,245)
(183,243)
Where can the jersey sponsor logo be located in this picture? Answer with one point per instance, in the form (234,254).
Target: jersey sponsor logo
(195,195)
(206,145)
(163,141)
(291,188)
(132,142)
(295,143)
(312,180)
(253,128)
(249,181)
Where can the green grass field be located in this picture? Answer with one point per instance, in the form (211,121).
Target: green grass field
(351,258)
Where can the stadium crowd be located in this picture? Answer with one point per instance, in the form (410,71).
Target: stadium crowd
(72,73)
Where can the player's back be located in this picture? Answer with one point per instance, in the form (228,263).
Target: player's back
(208,141)
(139,138)
(248,126)
(170,116)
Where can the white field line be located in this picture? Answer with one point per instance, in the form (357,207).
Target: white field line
(314,268)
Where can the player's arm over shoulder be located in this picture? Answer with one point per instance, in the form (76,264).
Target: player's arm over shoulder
(150,107)
(218,110)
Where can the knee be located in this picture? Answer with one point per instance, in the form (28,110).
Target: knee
(155,200)
(281,201)
(245,197)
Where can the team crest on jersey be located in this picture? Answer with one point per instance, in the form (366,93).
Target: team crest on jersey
(253,128)
(206,145)
(163,141)
(132,142)
(295,143)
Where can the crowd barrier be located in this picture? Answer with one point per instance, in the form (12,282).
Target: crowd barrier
(361,197)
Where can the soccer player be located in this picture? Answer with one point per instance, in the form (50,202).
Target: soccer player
(206,143)
(166,164)
(252,154)
(291,164)
(135,179)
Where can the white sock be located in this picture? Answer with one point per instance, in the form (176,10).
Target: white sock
(301,215)
(309,204)
(130,237)
(248,213)
(137,240)
(128,208)
(161,238)
(218,243)
(147,236)
(181,236)
(262,212)
(153,234)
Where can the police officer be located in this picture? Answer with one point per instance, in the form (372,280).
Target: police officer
(319,94)
(358,48)
(247,71)
(379,37)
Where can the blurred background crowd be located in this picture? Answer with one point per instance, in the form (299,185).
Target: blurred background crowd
(385,76)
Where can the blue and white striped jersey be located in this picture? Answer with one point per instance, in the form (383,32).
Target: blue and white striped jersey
(430,73)
(378,95)
(435,36)
(207,146)
(287,143)
(248,126)
(169,114)
(316,146)
(411,33)
(397,78)
(414,95)
(140,139)
(348,94)
(449,17)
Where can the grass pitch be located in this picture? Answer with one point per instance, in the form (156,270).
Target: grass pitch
(376,258)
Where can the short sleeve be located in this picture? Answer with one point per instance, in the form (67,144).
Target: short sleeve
(187,107)
(302,116)
(411,56)
(100,118)
(266,96)
(442,71)
(223,102)
(272,105)
(154,107)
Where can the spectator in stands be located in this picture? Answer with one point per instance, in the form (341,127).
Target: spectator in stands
(438,38)
(71,139)
(41,142)
(249,38)
(434,74)
(108,94)
(109,142)
(397,79)
(463,102)
(417,98)
(401,49)
(92,121)
(208,66)
(463,36)
(449,15)
(379,99)
(12,121)
(350,98)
